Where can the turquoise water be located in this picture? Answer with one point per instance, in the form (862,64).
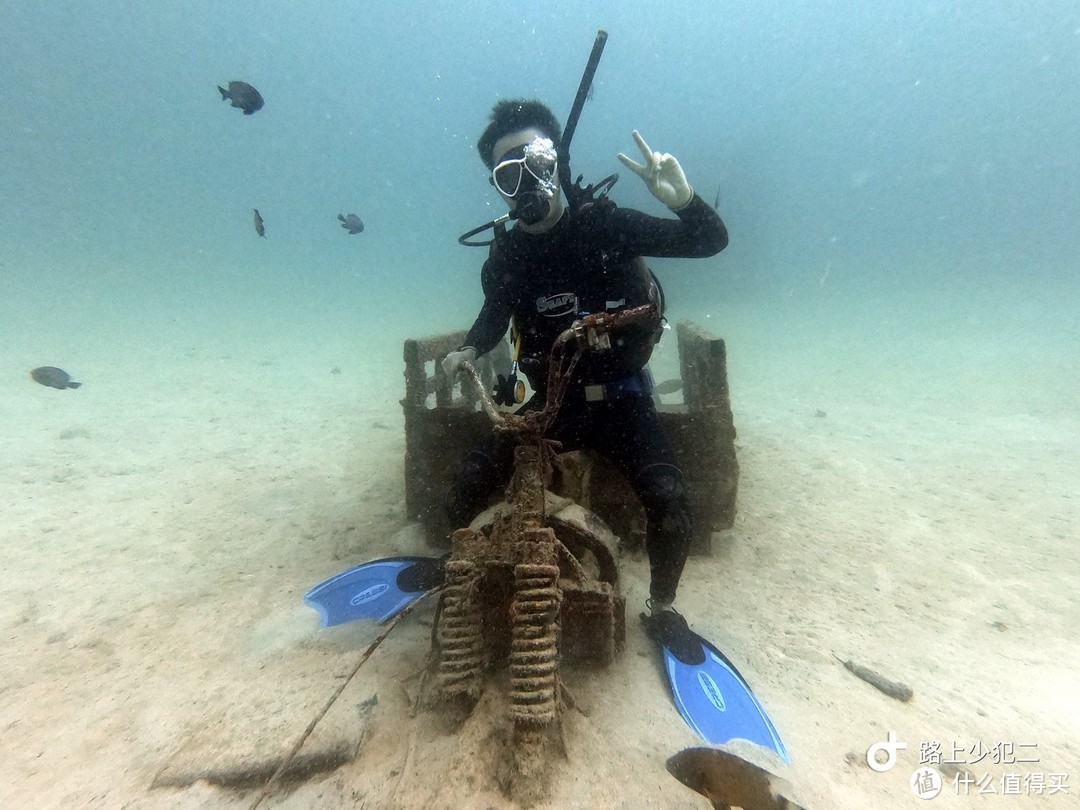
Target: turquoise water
(896,139)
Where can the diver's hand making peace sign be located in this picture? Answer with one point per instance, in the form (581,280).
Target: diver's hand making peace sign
(662,174)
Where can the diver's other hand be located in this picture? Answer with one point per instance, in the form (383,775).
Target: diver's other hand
(662,174)
(452,362)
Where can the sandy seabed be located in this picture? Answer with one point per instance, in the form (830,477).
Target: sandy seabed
(909,500)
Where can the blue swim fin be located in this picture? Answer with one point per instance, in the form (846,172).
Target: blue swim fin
(710,694)
(378,590)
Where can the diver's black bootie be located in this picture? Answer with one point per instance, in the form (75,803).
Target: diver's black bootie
(669,629)
(423,575)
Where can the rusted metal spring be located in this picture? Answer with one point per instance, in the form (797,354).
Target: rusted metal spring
(461,660)
(534,655)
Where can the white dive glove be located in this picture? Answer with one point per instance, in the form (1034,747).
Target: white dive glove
(452,362)
(662,174)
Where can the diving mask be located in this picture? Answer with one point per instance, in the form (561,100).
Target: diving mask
(535,170)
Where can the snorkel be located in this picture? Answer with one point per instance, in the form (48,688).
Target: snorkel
(532,204)
(575,113)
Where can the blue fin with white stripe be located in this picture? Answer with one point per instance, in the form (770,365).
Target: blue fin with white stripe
(378,590)
(710,694)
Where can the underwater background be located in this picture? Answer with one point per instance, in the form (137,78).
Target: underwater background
(897,148)
(901,184)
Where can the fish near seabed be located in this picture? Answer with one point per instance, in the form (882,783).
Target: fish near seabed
(727,780)
(243,96)
(260,228)
(53,377)
(352,223)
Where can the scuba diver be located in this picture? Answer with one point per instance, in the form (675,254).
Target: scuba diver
(558,263)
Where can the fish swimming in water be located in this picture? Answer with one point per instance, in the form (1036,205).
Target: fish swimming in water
(260,229)
(243,96)
(352,223)
(53,377)
(727,780)
(668,387)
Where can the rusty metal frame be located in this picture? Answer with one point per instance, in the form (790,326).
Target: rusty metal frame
(441,425)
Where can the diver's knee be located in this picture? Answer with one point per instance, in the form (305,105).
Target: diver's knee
(661,486)
(661,489)
(473,481)
(476,466)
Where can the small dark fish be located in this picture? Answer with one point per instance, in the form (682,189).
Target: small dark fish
(352,223)
(726,780)
(668,387)
(260,229)
(53,377)
(243,96)
(716,202)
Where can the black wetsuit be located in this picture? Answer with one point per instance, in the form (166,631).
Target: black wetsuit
(590,262)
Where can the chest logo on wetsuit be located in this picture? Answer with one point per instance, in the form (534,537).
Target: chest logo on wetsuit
(555,306)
